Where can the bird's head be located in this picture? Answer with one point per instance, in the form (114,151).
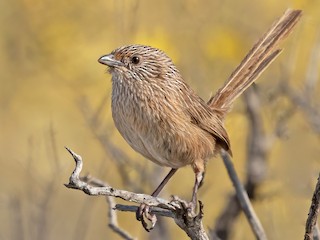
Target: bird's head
(139,62)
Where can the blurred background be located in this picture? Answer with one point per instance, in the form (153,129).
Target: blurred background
(53,93)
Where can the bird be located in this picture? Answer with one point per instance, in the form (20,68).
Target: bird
(161,117)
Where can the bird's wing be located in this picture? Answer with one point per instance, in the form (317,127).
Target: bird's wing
(205,118)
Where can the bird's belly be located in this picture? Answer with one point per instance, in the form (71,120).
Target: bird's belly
(172,145)
(144,144)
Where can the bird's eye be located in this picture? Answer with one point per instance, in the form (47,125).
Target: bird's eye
(135,60)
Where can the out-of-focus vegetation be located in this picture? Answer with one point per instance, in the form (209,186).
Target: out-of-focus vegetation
(50,76)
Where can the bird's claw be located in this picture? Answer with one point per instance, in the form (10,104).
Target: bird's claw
(143,213)
(188,207)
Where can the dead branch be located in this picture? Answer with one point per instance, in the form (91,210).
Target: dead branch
(177,208)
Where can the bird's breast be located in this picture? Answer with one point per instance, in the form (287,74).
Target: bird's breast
(157,129)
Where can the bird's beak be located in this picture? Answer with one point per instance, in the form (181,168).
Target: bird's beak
(110,61)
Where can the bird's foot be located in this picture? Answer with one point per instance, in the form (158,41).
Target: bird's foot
(144,213)
(188,207)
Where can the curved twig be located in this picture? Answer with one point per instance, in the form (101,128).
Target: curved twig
(176,208)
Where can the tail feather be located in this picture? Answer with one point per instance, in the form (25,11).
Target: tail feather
(256,61)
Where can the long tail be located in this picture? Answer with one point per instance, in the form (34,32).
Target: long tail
(256,61)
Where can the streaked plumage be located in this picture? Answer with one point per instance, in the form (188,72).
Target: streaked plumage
(158,114)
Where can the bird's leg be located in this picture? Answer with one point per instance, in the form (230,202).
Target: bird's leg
(164,182)
(199,170)
(199,176)
(144,209)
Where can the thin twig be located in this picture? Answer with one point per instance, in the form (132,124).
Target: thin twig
(155,210)
(257,149)
(113,220)
(243,198)
(313,213)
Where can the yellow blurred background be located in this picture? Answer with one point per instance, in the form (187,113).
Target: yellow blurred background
(51,84)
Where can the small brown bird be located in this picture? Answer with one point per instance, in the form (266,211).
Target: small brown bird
(159,115)
(162,118)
